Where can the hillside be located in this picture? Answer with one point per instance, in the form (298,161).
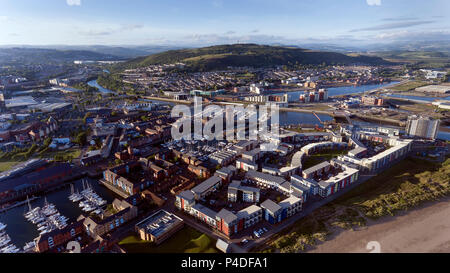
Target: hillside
(239,55)
(434,59)
(16,55)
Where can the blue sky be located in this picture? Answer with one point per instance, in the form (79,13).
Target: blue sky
(202,22)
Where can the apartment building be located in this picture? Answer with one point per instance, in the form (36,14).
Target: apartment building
(249,216)
(265,180)
(238,192)
(207,187)
(246,165)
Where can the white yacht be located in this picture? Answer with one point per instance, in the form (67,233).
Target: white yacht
(29,246)
(2,226)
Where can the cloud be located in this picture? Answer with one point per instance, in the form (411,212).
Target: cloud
(400,19)
(131,27)
(405,35)
(393,26)
(255,31)
(110,31)
(231,32)
(373,2)
(3,18)
(95,33)
(73,2)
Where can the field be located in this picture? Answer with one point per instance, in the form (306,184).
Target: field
(187,240)
(404,186)
(408,86)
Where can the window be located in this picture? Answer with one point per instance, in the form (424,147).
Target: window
(50,241)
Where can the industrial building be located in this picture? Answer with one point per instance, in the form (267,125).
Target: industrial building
(422,127)
(159,226)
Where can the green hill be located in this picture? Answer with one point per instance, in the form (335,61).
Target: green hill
(240,55)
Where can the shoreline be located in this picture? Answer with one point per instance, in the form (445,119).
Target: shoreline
(424,229)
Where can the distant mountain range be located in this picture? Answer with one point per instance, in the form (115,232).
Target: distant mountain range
(15,56)
(252,55)
(214,57)
(116,51)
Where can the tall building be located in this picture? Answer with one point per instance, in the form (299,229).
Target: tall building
(422,127)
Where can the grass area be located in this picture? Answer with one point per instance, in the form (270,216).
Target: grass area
(65,155)
(325,155)
(404,186)
(420,108)
(187,240)
(409,86)
(7,165)
(206,57)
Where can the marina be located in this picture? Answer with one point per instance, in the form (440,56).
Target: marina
(89,200)
(47,218)
(23,232)
(6,246)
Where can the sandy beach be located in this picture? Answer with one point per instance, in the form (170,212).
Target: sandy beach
(425,230)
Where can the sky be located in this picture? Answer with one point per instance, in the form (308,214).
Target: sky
(206,22)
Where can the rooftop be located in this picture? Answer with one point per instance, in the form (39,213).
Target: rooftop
(286,203)
(265,176)
(226,215)
(270,206)
(159,223)
(317,167)
(248,211)
(206,185)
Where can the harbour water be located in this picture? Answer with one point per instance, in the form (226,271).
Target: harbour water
(343,90)
(294,118)
(22,231)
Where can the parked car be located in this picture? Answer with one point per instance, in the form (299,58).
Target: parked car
(257,235)
(244,241)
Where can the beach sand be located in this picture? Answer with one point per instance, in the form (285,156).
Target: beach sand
(424,230)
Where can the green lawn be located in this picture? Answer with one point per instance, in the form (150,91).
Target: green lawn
(311,160)
(7,165)
(63,155)
(187,240)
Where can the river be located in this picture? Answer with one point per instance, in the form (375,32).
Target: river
(103,90)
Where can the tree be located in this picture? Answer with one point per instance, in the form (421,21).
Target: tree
(81,139)
(86,117)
